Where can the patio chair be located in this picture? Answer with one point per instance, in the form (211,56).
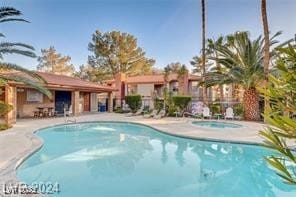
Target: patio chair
(206,113)
(193,114)
(152,114)
(137,113)
(161,114)
(229,113)
(68,112)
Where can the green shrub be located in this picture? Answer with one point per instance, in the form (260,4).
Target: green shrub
(4,108)
(215,108)
(281,92)
(4,127)
(238,109)
(181,102)
(158,104)
(134,101)
(171,109)
(118,110)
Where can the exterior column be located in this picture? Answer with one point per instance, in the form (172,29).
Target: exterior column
(75,102)
(10,98)
(110,103)
(120,79)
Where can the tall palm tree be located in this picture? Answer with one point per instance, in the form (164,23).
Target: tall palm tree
(203,13)
(8,14)
(242,60)
(212,44)
(166,73)
(181,72)
(266,47)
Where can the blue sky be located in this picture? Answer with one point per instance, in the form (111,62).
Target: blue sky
(168,30)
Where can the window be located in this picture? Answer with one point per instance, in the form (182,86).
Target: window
(34,96)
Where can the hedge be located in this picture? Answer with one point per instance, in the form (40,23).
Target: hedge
(181,102)
(134,101)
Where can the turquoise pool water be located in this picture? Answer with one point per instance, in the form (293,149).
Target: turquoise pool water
(129,160)
(216,124)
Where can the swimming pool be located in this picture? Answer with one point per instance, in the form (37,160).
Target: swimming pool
(216,124)
(131,160)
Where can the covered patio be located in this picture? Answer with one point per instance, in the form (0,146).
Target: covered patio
(67,93)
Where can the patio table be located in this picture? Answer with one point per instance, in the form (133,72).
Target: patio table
(40,111)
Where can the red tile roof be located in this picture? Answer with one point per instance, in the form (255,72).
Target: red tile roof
(53,79)
(156,78)
(61,81)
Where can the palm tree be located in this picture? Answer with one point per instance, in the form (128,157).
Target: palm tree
(203,13)
(180,75)
(197,64)
(266,47)
(8,14)
(212,44)
(242,61)
(166,73)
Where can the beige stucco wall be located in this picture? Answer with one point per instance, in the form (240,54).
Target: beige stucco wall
(26,109)
(145,89)
(93,102)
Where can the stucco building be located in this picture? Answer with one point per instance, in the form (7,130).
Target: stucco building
(149,86)
(67,92)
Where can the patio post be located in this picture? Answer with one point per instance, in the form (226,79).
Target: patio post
(110,103)
(10,98)
(75,102)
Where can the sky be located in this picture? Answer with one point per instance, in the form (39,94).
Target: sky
(167,30)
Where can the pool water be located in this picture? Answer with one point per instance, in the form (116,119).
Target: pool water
(216,124)
(130,160)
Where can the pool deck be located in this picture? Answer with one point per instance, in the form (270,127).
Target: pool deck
(19,142)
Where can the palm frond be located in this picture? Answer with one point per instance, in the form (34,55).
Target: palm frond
(14,44)
(30,83)
(8,14)
(15,67)
(16,48)
(13,19)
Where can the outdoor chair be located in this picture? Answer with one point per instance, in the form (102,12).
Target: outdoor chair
(193,114)
(137,113)
(229,113)
(152,114)
(161,114)
(68,112)
(206,113)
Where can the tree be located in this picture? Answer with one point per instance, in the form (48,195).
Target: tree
(174,67)
(266,46)
(243,62)
(9,14)
(281,92)
(52,62)
(115,52)
(86,72)
(212,44)
(181,74)
(196,62)
(203,13)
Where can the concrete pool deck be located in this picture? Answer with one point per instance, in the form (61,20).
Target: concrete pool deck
(19,142)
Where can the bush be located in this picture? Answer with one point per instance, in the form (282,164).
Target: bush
(215,108)
(134,102)
(171,109)
(238,109)
(281,92)
(118,110)
(4,108)
(158,104)
(181,102)
(4,127)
